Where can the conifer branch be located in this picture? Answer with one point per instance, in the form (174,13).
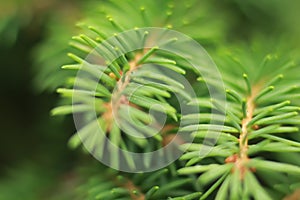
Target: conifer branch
(260,114)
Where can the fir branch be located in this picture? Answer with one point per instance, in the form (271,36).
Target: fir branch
(260,115)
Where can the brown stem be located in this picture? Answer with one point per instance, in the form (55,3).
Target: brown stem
(131,187)
(294,196)
(242,158)
(117,99)
(127,184)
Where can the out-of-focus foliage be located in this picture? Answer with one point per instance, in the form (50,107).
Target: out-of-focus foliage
(14,15)
(27,182)
(278,16)
(50,55)
(211,29)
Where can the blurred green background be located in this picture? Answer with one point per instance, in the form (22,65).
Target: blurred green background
(35,162)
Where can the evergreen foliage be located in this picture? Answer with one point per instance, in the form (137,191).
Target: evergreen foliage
(244,146)
(254,127)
